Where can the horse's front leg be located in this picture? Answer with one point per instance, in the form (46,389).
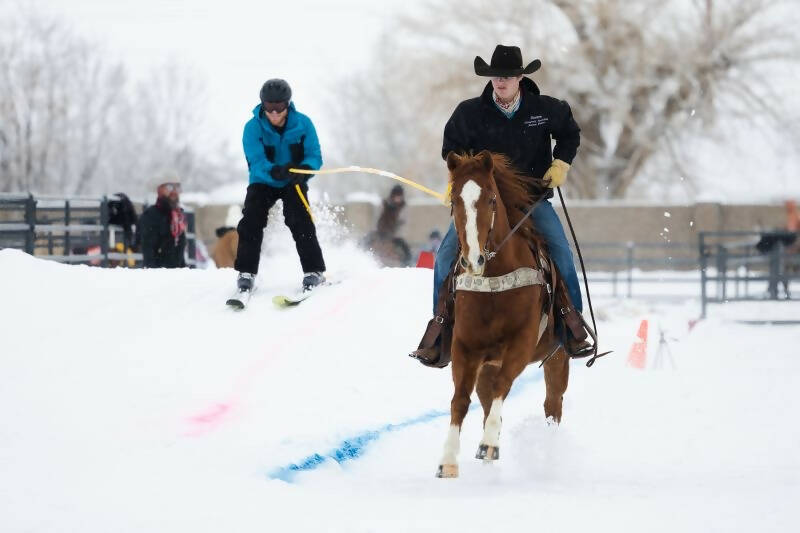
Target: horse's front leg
(514,360)
(465,371)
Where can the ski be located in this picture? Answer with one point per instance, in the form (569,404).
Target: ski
(239,300)
(282,300)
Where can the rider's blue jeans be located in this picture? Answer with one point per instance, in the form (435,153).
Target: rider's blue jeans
(547,225)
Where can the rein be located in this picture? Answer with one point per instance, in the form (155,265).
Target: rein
(492,254)
(592,332)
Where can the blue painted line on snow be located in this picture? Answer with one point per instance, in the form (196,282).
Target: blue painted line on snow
(354,447)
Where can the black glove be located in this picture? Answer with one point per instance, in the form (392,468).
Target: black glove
(297,178)
(280,172)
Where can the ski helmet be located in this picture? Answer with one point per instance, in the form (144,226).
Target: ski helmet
(275,90)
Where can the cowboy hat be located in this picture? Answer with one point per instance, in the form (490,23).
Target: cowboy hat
(506,61)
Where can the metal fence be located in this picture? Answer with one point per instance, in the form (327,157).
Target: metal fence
(742,265)
(72,230)
(623,265)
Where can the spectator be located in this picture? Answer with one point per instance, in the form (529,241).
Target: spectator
(388,248)
(434,241)
(163,229)
(122,213)
(389,221)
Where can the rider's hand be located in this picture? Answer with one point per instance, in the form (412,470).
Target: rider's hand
(280,172)
(556,174)
(296,178)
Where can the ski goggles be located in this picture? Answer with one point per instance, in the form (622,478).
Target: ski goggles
(274,107)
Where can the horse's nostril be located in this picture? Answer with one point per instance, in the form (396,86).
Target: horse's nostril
(463,262)
(481,260)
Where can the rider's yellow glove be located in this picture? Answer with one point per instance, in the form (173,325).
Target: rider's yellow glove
(556,174)
(447,201)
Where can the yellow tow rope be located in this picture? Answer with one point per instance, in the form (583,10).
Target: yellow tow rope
(305,202)
(441,197)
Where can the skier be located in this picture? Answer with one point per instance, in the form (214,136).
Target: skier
(278,138)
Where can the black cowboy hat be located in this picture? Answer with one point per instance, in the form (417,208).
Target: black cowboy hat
(506,61)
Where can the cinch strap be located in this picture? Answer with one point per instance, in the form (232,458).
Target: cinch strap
(521,277)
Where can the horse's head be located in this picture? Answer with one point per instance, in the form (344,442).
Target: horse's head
(474,199)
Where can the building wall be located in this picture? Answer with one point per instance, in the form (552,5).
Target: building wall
(607,222)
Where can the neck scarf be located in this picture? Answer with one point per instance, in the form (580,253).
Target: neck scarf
(177,223)
(509,108)
(177,220)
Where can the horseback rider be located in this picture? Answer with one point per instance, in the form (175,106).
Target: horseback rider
(275,139)
(511,117)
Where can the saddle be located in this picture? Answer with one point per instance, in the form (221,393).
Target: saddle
(434,347)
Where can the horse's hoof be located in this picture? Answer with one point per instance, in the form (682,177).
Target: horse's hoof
(447,471)
(551,421)
(488,453)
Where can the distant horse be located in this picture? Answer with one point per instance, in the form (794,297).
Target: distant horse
(503,308)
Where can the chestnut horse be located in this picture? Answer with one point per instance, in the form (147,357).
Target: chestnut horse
(503,310)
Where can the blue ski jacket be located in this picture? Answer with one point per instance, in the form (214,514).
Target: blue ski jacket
(264,147)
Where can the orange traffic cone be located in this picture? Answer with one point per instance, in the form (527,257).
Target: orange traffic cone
(638,355)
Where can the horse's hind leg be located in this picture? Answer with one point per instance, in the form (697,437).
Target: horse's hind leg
(556,376)
(465,371)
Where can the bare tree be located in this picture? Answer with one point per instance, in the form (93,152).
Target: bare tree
(71,121)
(642,77)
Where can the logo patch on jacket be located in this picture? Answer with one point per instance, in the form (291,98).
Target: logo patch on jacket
(536,120)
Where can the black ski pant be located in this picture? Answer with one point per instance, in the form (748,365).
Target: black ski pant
(260,198)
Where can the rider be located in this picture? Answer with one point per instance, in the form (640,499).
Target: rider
(511,117)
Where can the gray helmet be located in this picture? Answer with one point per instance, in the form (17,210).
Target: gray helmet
(275,90)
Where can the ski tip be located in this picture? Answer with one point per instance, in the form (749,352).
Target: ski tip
(285,301)
(281,301)
(235,304)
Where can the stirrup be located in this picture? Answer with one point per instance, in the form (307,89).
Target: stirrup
(593,352)
(586,349)
(422,355)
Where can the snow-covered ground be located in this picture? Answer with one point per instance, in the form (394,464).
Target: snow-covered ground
(135,401)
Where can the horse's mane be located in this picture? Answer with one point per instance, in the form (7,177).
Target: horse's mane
(517,191)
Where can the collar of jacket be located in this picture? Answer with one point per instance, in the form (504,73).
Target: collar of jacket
(291,117)
(526,85)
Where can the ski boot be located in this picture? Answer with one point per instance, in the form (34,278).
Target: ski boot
(244,288)
(312,279)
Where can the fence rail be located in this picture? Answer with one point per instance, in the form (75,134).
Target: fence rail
(746,266)
(72,230)
(624,264)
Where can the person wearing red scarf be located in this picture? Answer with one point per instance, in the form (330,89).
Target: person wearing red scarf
(163,229)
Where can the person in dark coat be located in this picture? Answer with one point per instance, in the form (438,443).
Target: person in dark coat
(275,139)
(163,229)
(390,249)
(513,118)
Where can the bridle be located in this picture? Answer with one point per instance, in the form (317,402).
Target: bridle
(490,254)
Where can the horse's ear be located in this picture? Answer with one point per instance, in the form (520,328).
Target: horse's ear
(452,161)
(485,158)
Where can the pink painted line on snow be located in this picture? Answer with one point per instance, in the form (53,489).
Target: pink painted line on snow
(213,416)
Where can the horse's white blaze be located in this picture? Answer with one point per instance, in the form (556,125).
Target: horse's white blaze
(469,195)
(451,446)
(491,429)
